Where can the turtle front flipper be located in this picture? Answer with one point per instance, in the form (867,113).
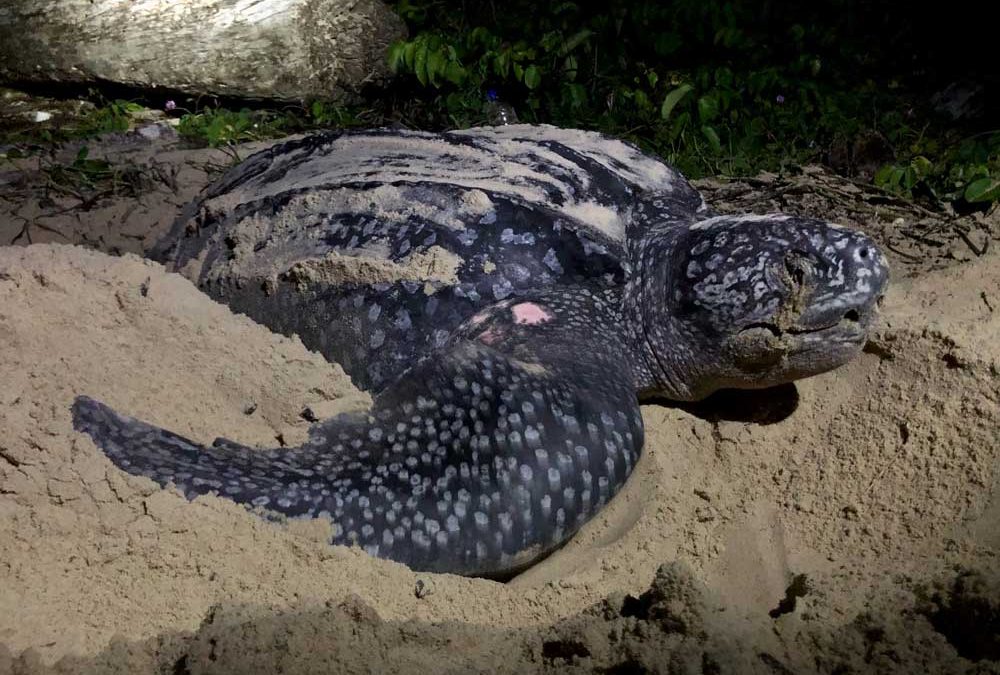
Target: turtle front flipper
(472,463)
(478,463)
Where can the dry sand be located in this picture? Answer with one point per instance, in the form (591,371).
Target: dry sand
(849,523)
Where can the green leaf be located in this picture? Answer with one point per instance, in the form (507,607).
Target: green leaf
(396,51)
(409,49)
(550,41)
(666,44)
(708,108)
(672,99)
(574,41)
(455,73)
(420,64)
(883,177)
(564,7)
(724,78)
(455,102)
(921,165)
(480,36)
(575,95)
(532,77)
(570,66)
(680,123)
(712,136)
(501,63)
(983,190)
(436,64)
(523,53)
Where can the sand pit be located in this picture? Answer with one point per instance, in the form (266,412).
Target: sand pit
(849,523)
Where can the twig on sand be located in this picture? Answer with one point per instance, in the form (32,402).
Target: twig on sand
(986,300)
(885,469)
(922,239)
(980,252)
(25,231)
(901,254)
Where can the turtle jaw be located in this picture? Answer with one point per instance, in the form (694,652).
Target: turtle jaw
(765,354)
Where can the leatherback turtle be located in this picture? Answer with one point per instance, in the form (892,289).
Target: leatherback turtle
(508,295)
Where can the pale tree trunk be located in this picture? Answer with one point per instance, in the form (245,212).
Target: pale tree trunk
(270,49)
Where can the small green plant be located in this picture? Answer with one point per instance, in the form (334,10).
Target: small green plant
(69,121)
(113,116)
(211,125)
(89,179)
(218,126)
(967,171)
(82,172)
(325,115)
(902,178)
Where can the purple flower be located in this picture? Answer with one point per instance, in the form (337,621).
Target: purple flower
(780,98)
(169,105)
(491,94)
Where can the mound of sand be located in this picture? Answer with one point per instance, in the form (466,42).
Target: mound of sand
(848,523)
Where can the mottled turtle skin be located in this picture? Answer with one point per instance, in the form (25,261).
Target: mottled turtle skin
(585,276)
(335,237)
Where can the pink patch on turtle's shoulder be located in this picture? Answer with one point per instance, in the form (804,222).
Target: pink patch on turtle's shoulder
(529,312)
(489,336)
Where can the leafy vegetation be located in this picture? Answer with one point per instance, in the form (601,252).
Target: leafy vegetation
(114,116)
(211,125)
(967,171)
(217,126)
(714,87)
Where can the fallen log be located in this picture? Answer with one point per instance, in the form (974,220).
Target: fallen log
(292,50)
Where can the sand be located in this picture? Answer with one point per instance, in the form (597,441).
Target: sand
(848,523)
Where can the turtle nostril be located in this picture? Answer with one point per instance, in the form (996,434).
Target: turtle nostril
(852,315)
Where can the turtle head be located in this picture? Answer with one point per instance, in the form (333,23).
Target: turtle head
(749,302)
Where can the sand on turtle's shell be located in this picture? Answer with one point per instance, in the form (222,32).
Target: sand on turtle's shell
(874,481)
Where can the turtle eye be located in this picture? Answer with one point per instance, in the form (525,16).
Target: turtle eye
(796,268)
(801,265)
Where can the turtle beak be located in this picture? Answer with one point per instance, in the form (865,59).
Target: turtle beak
(843,294)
